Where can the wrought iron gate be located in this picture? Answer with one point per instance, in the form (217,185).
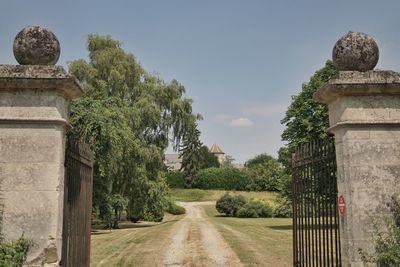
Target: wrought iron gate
(316,240)
(77,204)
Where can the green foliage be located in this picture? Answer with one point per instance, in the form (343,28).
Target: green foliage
(285,186)
(175,179)
(239,206)
(226,178)
(285,158)
(264,173)
(128,116)
(175,209)
(119,204)
(229,205)
(106,211)
(190,152)
(306,119)
(387,244)
(255,209)
(14,254)
(208,159)
(151,216)
(283,208)
(259,159)
(158,200)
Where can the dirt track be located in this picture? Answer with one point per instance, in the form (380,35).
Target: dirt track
(195,242)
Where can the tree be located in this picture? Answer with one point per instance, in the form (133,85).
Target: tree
(306,119)
(129,117)
(207,158)
(264,173)
(285,158)
(259,159)
(228,161)
(119,204)
(190,153)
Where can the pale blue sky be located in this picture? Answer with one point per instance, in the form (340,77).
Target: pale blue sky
(239,60)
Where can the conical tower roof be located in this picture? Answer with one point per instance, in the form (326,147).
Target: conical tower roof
(215,149)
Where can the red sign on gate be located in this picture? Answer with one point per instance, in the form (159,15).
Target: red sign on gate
(341,205)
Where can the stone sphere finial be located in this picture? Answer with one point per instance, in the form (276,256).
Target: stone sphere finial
(36,45)
(356,51)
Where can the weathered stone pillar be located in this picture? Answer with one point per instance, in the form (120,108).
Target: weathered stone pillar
(364,115)
(34,108)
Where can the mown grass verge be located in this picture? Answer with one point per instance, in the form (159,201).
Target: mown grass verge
(257,242)
(191,195)
(135,244)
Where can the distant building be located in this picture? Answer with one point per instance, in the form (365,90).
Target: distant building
(217,151)
(239,166)
(173,162)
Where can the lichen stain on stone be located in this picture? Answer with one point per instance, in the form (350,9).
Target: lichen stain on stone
(36,45)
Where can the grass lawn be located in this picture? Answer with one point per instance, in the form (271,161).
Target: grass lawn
(190,195)
(134,245)
(257,242)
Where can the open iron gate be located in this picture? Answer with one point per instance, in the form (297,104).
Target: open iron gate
(316,240)
(77,204)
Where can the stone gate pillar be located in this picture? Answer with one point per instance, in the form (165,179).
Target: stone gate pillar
(34,107)
(364,116)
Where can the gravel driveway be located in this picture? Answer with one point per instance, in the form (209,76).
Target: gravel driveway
(194,241)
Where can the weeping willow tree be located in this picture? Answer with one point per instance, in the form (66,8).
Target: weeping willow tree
(129,117)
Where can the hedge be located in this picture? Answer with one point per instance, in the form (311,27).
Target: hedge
(175,179)
(227,178)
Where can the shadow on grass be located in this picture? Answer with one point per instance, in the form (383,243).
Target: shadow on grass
(222,215)
(281,227)
(99,233)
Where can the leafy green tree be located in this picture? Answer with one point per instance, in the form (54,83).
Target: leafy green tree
(190,152)
(119,204)
(129,117)
(207,158)
(285,158)
(306,119)
(259,159)
(264,173)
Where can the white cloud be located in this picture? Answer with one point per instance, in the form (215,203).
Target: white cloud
(241,122)
(264,110)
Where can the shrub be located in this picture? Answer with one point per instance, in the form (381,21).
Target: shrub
(229,205)
(255,209)
(152,216)
(175,179)
(14,254)
(226,178)
(387,245)
(264,176)
(283,208)
(175,209)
